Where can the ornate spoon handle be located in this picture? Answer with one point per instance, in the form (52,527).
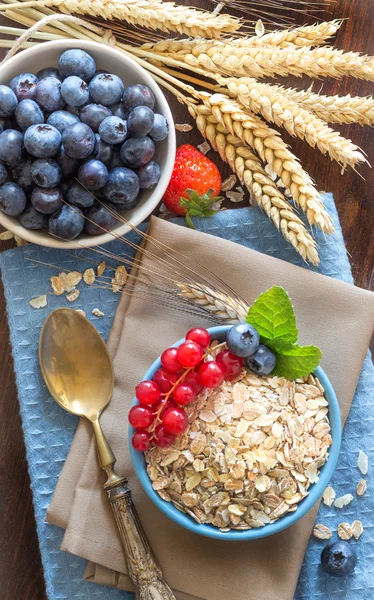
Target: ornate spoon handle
(143,568)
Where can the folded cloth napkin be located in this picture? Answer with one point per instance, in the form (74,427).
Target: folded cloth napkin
(332,314)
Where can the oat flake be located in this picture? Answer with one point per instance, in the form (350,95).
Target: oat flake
(363,462)
(97,312)
(39,302)
(72,296)
(361,487)
(345,531)
(329,496)
(229,183)
(57,285)
(183,127)
(204,147)
(322,532)
(100,268)
(357,529)
(89,276)
(343,501)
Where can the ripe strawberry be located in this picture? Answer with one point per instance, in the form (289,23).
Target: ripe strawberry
(194,185)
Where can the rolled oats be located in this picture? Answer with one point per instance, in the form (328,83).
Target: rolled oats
(39,302)
(322,532)
(251,452)
(343,501)
(345,531)
(363,462)
(361,487)
(89,276)
(357,529)
(329,496)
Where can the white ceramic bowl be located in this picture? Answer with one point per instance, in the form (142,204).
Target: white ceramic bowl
(47,54)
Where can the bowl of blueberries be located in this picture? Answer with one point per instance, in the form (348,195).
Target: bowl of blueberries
(87,144)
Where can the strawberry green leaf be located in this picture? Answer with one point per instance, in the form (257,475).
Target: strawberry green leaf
(198,206)
(294,361)
(273,316)
(189,221)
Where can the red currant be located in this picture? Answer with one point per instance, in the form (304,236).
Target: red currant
(162,403)
(231,364)
(141,440)
(184,394)
(189,354)
(174,420)
(211,374)
(165,380)
(192,378)
(147,392)
(140,416)
(200,336)
(162,438)
(169,360)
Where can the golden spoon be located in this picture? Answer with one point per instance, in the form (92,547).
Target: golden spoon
(78,371)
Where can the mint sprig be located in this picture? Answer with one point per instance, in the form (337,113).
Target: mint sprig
(198,206)
(273,315)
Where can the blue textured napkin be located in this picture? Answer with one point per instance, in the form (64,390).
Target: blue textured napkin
(49,430)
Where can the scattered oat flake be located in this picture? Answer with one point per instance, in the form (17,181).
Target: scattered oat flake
(322,532)
(89,276)
(20,241)
(80,311)
(207,415)
(345,531)
(259,28)
(329,496)
(183,127)
(97,312)
(235,197)
(357,529)
(70,280)
(343,501)
(361,487)
(119,280)
(229,183)
(101,268)
(39,302)
(72,296)
(204,148)
(6,235)
(363,462)
(57,285)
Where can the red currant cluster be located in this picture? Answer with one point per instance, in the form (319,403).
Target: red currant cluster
(159,417)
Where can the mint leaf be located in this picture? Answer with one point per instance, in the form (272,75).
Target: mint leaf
(273,316)
(294,361)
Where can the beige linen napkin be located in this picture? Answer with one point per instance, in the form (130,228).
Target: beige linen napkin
(336,316)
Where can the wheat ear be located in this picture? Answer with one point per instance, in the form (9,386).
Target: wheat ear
(264,61)
(152,14)
(250,172)
(307,35)
(224,307)
(284,112)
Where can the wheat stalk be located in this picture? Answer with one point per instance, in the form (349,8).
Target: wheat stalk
(152,14)
(307,35)
(250,172)
(278,108)
(222,306)
(264,61)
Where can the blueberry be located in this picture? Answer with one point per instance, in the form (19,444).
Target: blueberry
(115,160)
(242,340)
(338,559)
(118,110)
(77,62)
(106,89)
(46,200)
(160,128)
(46,172)
(48,72)
(42,141)
(28,113)
(140,121)
(74,110)
(11,144)
(93,114)
(24,86)
(33,219)
(138,95)
(8,101)
(48,94)
(78,196)
(149,175)
(3,174)
(262,362)
(137,152)
(102,151)
(99,220)
(66,223)
(93,174)
(122,187)
(113,130)
(78,140)
(69,166)
(62,119)
(74,91)
(21,174)
(12,199)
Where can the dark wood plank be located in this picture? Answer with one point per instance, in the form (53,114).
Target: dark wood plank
(20,566)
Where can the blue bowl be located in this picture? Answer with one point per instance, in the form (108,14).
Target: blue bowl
(315,490)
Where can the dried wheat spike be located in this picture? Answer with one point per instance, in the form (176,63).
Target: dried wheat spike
(264,61)
(284,112)
(307,35)
(248,168)
(153,14)
(268,144)
(224,307)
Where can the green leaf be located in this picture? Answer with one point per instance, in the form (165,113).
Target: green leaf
(294,361)
(189,221)
(198,206)
(273,316)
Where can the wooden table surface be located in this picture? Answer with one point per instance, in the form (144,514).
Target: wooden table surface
(21,576)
